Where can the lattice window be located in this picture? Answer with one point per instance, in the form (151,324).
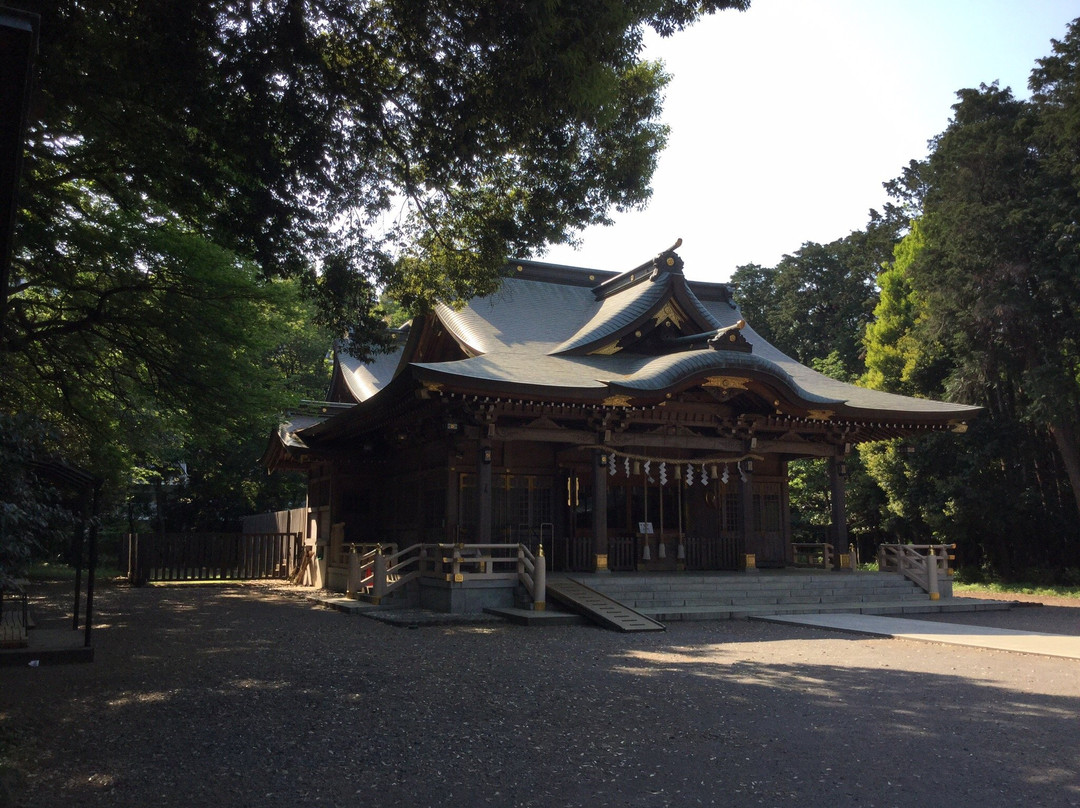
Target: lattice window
(767,508)
(521,503)
(729,503)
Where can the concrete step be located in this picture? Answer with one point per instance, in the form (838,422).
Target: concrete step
(726,594)
(742,612)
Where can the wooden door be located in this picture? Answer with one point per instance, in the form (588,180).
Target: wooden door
(767,541)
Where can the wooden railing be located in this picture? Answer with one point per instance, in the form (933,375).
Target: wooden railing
(622,553)
(376,573)
(576,554)
(925,564)
(812,554)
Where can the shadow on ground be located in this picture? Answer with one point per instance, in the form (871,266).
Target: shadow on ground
(238,696)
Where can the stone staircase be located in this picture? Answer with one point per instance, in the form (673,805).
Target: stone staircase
(670,597)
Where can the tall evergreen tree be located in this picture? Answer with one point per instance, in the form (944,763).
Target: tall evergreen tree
(815,303)
(980,306)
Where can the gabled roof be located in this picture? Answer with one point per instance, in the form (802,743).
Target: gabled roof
(567,335)
(636,303)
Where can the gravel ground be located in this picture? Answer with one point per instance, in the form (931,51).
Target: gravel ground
(249,696)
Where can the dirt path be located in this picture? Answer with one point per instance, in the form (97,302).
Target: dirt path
(242,696)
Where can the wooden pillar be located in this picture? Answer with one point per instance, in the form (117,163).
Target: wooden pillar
(837,497)
(483,492)
(453,485)
(600,542)
(746,513)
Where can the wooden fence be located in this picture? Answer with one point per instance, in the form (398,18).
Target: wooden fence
(212,556)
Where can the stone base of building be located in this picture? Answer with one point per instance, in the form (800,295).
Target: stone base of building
(466,597)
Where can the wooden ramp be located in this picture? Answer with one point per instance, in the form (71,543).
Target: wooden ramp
(599,608)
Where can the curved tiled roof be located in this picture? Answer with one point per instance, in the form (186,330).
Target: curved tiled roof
(523,313)
(538,337)
(819,384)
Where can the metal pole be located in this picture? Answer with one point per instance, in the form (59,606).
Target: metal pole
(92,566)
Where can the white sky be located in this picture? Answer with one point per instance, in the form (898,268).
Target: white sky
(786,120)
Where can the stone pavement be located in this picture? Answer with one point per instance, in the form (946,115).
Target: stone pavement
(1001,639)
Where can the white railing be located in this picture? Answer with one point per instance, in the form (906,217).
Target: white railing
(361,561)
(925,564)
(532,572)
(376,573)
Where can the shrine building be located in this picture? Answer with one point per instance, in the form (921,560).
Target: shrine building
(625,422)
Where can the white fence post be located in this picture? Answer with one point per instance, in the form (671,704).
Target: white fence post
(378,584)
(932,575)
(354,573)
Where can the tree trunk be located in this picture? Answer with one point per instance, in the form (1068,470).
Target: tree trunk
(1065,438)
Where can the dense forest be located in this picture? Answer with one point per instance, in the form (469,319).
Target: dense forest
(965,289)
(190,241)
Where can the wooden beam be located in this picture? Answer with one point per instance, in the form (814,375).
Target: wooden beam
(799,448)
(579,437)
(653,440)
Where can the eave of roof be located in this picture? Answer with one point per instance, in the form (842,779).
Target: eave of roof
(517,349)
(286,448)
(641,380)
